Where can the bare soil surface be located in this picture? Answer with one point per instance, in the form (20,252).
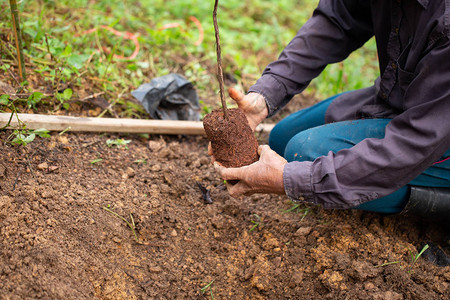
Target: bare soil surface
(61,236)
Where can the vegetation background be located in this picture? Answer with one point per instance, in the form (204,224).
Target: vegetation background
(70,58)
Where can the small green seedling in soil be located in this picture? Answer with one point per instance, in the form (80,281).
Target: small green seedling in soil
(305,213)
(205,288)
(295,206)
(64,97)
(24,137)
(140,161)
(130,224)
(118,142)
(255,223)
(414,258)
(388,263)
(34,99)
(64,131)
(4,99)
(97,160)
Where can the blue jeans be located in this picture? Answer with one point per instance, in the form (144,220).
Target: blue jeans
(303,130)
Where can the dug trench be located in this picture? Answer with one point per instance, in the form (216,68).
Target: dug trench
(57,240)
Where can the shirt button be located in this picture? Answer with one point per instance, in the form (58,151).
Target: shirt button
(394,66)
(383,95)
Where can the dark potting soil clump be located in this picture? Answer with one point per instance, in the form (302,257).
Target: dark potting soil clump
(232,140)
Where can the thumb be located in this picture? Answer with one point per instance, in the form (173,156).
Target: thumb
(262,148)
(235,94)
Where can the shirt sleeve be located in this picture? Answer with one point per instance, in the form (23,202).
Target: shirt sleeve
(336,28)
(374,168)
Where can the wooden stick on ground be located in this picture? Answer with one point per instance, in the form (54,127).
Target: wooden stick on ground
(59,123)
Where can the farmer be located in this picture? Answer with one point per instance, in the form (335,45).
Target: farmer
(384,148)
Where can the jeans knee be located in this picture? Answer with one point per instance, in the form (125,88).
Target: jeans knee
(277,139)
(302,147)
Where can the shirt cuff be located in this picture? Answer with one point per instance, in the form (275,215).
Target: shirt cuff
(273,91)
(297,181)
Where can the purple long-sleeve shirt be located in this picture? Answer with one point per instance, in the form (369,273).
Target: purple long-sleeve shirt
(413,89)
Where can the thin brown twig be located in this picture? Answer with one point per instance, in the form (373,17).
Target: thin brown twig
(219,61)
(18,38)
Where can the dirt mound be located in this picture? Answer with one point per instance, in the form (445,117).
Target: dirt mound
(63,235)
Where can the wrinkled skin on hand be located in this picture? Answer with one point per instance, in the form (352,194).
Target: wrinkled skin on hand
(252,104)
(263,176)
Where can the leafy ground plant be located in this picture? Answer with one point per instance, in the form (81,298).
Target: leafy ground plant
(118,142)
(25,136)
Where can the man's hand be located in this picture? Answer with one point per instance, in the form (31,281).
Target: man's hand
(252,104)
(263,176)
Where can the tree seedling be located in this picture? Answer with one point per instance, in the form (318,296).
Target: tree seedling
(206,287)
(130,224)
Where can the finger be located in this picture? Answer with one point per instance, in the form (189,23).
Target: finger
(210,151)
(235,94)
(263,148)
(228,173)
(237,190)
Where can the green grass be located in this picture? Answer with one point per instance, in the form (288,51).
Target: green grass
(253,33)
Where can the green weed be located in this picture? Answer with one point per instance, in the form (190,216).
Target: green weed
(97,160)
(25,136)
(256,222)
(118,142)
(206,287)
(296,207)
(130,224)
(64,97)
(388,263)
(140,161)
(415,257)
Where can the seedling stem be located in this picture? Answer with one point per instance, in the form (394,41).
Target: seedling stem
(219,62)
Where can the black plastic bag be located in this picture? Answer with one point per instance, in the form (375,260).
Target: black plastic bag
(169,97)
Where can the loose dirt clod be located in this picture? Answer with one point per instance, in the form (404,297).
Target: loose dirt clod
(232,140)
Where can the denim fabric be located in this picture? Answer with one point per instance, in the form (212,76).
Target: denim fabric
(304,136)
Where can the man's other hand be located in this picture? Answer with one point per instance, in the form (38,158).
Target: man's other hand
(252,104)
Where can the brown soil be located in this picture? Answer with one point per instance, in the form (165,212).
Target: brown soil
(232,140)
(58,242)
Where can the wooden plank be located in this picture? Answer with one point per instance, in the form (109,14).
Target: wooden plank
(60,123)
